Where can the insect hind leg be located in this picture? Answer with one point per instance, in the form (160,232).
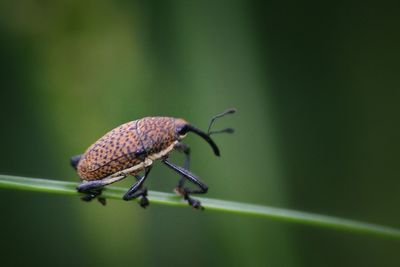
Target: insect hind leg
(93,189)
(94,193)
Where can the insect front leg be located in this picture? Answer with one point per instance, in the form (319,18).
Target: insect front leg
(184,148)
(202,188)
(137,189)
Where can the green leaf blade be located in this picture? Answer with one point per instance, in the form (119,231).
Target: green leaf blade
(279,214)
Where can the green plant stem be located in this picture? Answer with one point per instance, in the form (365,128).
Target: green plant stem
(68,188)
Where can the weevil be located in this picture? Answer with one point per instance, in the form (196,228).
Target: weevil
(132,148)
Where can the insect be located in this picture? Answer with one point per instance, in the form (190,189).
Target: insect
(132,148)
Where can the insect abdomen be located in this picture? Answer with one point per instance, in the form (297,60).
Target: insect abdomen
(114,152)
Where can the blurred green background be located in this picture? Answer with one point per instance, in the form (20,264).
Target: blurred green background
(316,86)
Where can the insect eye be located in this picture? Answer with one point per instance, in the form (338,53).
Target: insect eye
(183,130)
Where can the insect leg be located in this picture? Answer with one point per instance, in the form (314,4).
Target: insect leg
(93,189)
(184,148)
(93,193)
(137,189)
(202,188)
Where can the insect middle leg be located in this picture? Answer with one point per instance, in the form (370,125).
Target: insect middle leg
(202,188)
(137,189)
(184,148)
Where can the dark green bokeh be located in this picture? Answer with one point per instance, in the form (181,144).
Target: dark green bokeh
(317,89)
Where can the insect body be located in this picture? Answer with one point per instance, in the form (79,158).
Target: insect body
(132,148)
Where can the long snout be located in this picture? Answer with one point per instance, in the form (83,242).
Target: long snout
(206,137)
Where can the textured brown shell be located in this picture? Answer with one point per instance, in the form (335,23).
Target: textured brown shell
(128,145)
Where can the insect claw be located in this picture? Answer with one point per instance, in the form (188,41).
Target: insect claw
(195,203)
(87,198)
(102,200)
(144,202)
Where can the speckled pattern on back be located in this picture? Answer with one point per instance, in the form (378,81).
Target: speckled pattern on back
(127,145)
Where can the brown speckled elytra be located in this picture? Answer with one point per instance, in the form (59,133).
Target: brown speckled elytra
(132,148)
